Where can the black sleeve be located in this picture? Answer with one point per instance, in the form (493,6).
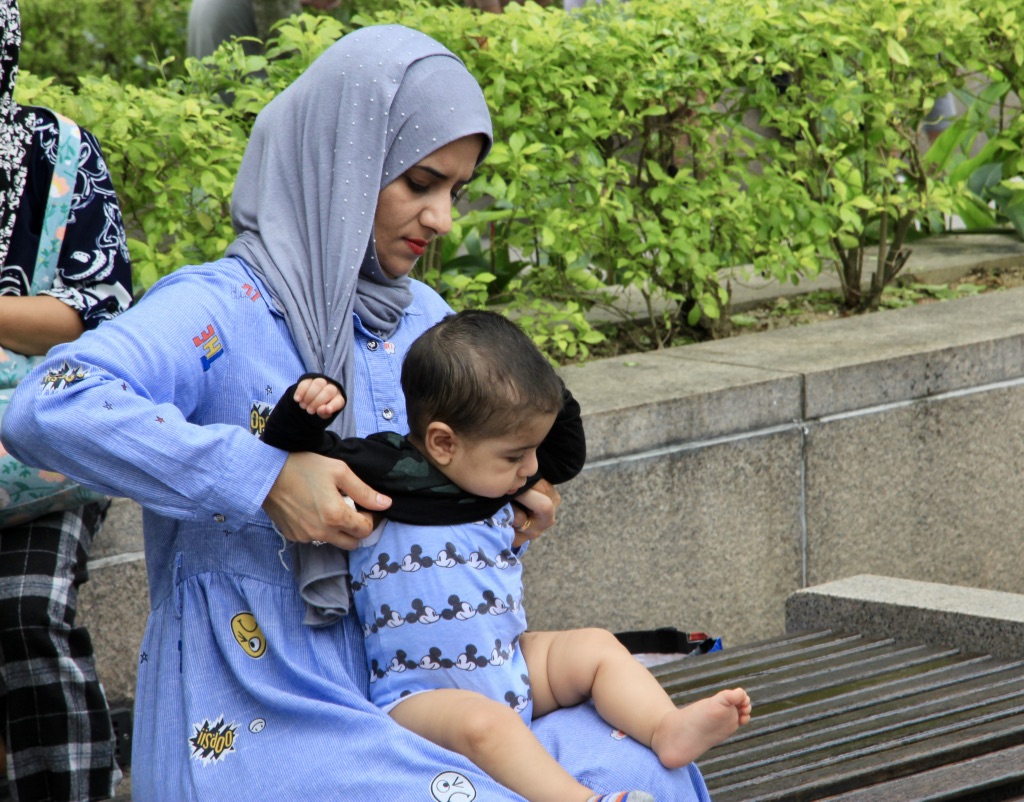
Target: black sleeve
(564,451)
(291,428)
(560,457)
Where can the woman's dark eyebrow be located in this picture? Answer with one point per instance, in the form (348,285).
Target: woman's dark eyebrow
(439,175)
(436,173)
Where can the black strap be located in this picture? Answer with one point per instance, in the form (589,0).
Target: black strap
(666,640)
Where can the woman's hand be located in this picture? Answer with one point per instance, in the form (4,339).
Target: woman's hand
(535,511)
(308,502)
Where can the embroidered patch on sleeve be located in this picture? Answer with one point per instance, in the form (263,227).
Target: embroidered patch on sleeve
(63,377)
(211,345)
(258,414)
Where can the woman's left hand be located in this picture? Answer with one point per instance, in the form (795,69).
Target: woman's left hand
(535,511)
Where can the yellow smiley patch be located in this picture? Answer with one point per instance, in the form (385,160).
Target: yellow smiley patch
(249,635)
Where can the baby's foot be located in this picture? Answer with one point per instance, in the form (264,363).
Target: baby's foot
(623,796)
(688,732)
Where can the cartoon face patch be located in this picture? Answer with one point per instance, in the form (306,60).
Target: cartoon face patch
(249,635)
(450,786)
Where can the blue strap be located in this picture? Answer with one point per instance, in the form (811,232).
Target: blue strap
(58,203)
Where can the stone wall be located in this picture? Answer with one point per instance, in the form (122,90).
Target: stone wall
(724,476)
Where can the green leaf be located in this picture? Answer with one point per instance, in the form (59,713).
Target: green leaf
(896,52)
(516,142)
(863,202)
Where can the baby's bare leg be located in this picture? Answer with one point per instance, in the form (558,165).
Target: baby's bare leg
(568,667)
(494,737)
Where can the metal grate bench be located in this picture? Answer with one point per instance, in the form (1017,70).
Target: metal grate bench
(848,717)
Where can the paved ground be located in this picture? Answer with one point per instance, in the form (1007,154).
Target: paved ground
(124,790)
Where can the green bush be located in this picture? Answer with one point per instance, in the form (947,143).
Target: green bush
(640,148)
(125,39)
(863,76)
(982,152)
(630,158)
(173,149)
(590,195)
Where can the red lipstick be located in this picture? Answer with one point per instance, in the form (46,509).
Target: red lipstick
(417,246)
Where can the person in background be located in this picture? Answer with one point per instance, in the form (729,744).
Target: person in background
(56,723)
(211,22)
(940,117)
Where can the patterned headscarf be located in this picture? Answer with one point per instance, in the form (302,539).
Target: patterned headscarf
(373,105)
(15,126)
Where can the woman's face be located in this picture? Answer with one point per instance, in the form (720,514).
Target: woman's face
(417,206)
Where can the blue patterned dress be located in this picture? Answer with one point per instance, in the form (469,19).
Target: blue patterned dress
(236,697)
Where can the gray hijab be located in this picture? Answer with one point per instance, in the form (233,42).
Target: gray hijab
(374,104)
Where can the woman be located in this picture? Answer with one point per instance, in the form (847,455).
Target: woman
(248,683)
(56,725)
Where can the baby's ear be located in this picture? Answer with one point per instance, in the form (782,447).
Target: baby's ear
(440,442)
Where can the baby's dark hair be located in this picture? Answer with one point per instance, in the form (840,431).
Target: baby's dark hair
(479,373)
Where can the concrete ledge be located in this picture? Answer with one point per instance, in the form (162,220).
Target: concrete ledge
(889,356)
(723,473)
(660,399)
(970,619)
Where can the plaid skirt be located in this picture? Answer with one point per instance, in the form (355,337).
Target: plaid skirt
(60,743)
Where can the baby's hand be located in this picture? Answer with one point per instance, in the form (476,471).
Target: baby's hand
(319,396)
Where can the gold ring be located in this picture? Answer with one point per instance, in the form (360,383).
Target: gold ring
(527,525)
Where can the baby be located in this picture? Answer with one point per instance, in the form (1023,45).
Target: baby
(438,584)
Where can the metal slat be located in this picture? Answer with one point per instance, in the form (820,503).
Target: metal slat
(777,693)
(871,737)
(693,682)
(996,777)
(836,713)
(718,667)
(877,744)
(846,724)
(856,697)
(902,758)
(775,649)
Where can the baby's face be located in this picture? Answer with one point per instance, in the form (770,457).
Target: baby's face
(499,466)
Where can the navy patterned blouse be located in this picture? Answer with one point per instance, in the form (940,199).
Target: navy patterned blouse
(94,273)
